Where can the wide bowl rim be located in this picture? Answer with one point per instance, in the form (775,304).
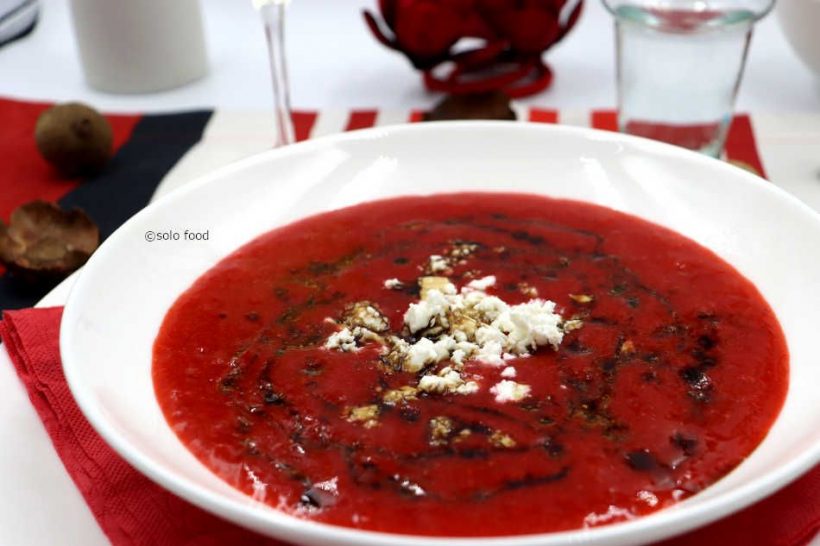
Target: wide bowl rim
(664,523)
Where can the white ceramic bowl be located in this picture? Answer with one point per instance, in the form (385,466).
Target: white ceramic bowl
(800,20)
(117,304)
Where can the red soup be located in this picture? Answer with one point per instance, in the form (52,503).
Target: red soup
(471,364)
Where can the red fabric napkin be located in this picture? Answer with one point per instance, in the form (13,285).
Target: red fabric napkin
(132,510)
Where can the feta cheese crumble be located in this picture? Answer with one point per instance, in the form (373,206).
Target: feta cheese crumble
(393,284)
(364,315)
(424,313)
(438,263)
(361,322)
(447,380)
(442,284)
(648,497)
(367,416)
(509,391)
(402,394)
(342,340)
(486,327)
(440,429)
(447,324)
(481,284)
(500,439)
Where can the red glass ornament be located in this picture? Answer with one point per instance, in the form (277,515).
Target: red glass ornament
(512,36)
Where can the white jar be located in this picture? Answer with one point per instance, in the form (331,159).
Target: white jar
(800,21)
(139,46)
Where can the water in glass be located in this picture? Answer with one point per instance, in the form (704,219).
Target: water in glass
(679,72)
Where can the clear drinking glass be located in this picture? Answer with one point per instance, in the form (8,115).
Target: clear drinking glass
(679,66)
(272,13)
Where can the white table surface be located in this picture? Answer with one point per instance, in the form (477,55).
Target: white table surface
(334,63)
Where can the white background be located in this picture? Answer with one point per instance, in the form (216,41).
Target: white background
(334,64)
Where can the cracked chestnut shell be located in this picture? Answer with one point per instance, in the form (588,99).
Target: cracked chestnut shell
(74,138)
(492,105)
(44,243)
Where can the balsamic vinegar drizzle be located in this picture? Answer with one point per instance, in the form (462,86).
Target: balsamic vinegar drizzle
(591,400)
